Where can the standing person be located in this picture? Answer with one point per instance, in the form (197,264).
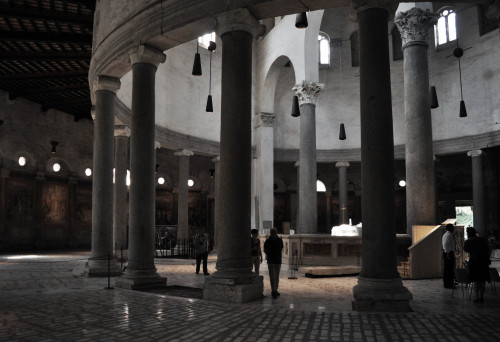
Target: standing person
(202,248)
(273,247)
(255,250)
(448,257)
(479,261)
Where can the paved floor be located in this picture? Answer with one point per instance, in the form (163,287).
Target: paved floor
(43,297)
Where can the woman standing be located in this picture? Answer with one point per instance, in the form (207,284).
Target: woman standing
(479,261)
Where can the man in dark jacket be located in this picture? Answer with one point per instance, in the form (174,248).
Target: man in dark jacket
(273,248)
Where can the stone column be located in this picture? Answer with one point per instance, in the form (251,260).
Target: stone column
(493,11)
(141,270)
(478,193)
(419,158)
(379,286)
(216,161)
(265,156)
(296,207)
(234,280)
(328,197)
(308,93)
(102,180)
(343,200)
(183,194)
(122,133)
(4,175)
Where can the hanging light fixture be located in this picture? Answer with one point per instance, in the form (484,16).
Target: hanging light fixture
(434,99)
(458,53)
(197,62)
(295,107)
(342,135)
(301,20)
(54,144)
(210,108)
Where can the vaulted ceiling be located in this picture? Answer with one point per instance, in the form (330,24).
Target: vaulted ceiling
(45,50)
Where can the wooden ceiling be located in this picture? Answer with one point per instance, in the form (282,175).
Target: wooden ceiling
(45,50)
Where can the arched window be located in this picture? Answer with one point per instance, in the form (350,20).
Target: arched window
(445,30)
(320,186)
(324,49)
(354,49)
(204,40)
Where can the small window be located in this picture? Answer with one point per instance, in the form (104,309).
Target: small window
(445,30)
(56,167)
(205,40)
(190,182)
(161,180)
(320,186)
(22,161)
(88,172)
(324,49)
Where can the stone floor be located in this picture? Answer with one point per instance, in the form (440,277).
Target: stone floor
(43,297)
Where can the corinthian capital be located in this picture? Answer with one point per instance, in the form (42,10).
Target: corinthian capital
(414,26)
(308,92)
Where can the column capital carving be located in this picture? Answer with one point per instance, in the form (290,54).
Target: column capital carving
(239,20)
(342,164)
(4,173)
(493,11)
(475,153)
(216,159)
(414,26)
(184,152)
(106,83)
(308,92)
(358,6)
(147,54)
(266,119)
(122,131)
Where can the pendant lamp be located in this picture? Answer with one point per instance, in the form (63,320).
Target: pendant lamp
(342,135)
(301,20)
(210,108)
(459,52)
(197,62)
(434,99)
(295,107)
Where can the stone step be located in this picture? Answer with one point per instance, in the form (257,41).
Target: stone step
(326,271)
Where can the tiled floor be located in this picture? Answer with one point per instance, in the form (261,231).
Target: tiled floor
(44,298)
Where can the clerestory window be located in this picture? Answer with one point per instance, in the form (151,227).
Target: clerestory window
(445,30)
(324,49)
(204,40)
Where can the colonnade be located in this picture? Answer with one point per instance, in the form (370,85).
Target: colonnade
(379,285)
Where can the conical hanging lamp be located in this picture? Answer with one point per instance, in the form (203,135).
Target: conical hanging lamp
(434,99)
(342,135)
(301,20)
(295,107)
(210,108)
(197,62)
(459,52)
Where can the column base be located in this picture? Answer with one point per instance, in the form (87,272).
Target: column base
(100,268)
(233,290)
(381,295)
(140,280)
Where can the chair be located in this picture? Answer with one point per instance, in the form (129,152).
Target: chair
(462,277)
(494,279)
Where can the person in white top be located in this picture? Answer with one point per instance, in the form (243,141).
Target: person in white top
(448,257)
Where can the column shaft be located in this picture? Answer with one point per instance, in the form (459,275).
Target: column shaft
(308,198)
(216,161)
(343,200)
(120,197)
(182,198)
(478,193)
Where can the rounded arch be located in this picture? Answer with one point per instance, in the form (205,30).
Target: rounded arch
(30,161)
(270,82)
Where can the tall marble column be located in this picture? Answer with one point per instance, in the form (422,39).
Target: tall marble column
(419,158)
(122,134)
(379,286)
(183,194)
(141,270)
(478,193)
(265,156)
(234,280)
(308,93)
(102,180)
(493,11)
(343,200)
(216,161)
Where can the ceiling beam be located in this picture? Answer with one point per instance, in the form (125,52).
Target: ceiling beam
(47,90)
(22,12)
(47,75)
(46,37)
(45,56)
